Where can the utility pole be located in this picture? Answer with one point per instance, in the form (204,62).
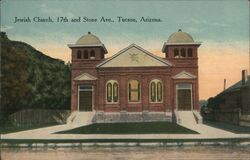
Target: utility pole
(225,83)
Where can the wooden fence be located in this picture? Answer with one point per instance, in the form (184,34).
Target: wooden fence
(39,116)
(228,116)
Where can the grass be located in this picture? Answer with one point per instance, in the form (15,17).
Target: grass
(131,128)
(11,129)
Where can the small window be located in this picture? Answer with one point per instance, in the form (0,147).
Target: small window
(176,53)
(79,54)
(102,55)
(156,91)
(134,91)
(190,52)
(183,52)
(92,54)
(166,54)
(86,54)
(112,91)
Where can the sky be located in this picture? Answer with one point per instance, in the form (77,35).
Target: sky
(221,25)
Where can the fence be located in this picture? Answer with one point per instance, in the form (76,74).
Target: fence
(229,116)
(39,116)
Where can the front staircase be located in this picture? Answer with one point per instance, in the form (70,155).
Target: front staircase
(188,117)
(80,118)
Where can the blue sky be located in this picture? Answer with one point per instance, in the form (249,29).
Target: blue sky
(222,20)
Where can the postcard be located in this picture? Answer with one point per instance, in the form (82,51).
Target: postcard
(123,79)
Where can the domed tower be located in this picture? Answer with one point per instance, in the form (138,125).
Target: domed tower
(182,51)
(88,48)
(87,52)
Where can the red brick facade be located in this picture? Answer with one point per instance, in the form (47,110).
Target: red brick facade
(122,75)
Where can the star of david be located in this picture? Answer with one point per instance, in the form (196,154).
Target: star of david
(134,56)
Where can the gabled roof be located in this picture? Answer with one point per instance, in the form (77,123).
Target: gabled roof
(237,86)
(184,75)
(86,77)
(134,56)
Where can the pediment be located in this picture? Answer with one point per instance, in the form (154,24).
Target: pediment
(85,77)
(184,75)
(134,56)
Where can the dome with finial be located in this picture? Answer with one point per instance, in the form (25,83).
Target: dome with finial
(180,37)
(88,39)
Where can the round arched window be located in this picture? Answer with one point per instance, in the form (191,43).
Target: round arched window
(183,52)
(156,90)
(79,54)
(134,91)
(92,54)
(190,52)
(112,90)
(86,54)
(176,53)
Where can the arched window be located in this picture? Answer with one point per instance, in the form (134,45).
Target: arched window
(134,91)
(112,91)
(115,92)
(159,91)
(176,53)
(153,92)
(183,52)
(92,54)
(79,54)
(109,92)
(156,91)
(86,54)
(190,52)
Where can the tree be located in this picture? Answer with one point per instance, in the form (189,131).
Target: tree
(30,79)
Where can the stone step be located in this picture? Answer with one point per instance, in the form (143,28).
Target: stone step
(81,118)
(186,117)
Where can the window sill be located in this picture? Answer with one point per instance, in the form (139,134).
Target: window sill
(112,103)
(156,102)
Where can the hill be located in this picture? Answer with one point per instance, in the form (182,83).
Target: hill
(31,79)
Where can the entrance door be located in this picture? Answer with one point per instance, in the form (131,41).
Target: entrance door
(184,96)
(85,98)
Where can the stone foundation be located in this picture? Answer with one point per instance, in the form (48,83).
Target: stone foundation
(123,116)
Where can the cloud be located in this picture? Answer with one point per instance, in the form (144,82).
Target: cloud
(5,28)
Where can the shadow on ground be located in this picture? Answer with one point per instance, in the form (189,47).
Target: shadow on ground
(229,127)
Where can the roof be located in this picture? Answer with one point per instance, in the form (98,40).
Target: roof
(134,56)
(180,37)
(235,87)
(88,40)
